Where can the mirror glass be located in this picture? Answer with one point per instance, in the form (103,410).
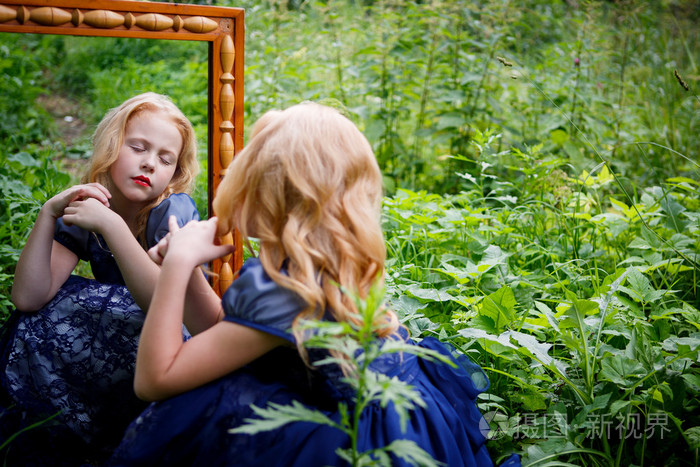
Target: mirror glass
(55,89)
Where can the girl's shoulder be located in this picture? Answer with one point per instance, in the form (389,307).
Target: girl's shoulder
(180,205)
(256,301)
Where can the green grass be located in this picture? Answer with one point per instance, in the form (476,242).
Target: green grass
(582,308)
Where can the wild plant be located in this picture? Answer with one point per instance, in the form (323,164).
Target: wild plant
(27,179)
(354,348)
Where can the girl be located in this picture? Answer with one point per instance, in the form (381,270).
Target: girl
(309,188)
(71,348)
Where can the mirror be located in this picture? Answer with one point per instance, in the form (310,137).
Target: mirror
(222,28)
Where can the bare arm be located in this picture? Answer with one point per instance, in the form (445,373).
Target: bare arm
(44,264)
(202,305)
(165,365)
(140,273)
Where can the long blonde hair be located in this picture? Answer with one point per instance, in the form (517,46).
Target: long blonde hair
(109,137)
(308,187)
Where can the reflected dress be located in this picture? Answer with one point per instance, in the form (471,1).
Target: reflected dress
(193,428)
(75,357)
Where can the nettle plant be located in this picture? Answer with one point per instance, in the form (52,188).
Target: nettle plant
(354,348)
(27,178)
(579,299)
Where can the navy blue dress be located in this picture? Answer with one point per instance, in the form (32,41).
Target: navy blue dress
(193,428)
(74,358)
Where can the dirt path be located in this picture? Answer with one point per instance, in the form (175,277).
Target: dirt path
(70,127)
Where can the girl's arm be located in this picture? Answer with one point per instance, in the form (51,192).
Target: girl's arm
(44,264)
(139,272)
(165,365)
(137,269)
(202,305)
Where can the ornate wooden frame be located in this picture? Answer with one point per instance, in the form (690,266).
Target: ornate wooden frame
(221,27)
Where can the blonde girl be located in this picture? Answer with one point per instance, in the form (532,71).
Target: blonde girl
(69,350)
(308,187)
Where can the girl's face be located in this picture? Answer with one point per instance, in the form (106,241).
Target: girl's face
(147,158)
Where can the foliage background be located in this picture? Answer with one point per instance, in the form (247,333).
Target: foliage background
(541,172)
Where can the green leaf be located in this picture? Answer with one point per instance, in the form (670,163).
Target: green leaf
(681,344)
(575,315)
(683,180)
(406,305)
(537,349)
(383,389)
(462,274)
(639,244)
(474,333)
(640,289)
(600,401)
(432,295)
(547,312)
(24,159)
(394,346)
(673,212)
(621,370)
(693,381)
(559,136)
(531,400)
(618,405)
(692,435)
(499,306)
(420,325)
(451,120)
(638,283)
(275,416)
(411,453)
(18,188)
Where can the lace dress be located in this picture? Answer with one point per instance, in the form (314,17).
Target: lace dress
(73,360)
(193,428)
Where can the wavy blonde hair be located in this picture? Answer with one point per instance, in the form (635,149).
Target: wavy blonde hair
(308,187)
(109,137)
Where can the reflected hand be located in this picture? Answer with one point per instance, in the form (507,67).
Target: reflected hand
(158,251)
(193,245)
(90,214)
(57,204)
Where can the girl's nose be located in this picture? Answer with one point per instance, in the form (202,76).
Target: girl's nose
(147,163)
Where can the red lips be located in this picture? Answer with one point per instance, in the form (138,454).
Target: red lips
(142,180)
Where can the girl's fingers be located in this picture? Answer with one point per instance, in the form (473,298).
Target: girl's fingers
(226,249)
(155,255)
(196,241)
(93,190)
(100,193)
(58,204)
(173,225)
(158,251)
(102,188)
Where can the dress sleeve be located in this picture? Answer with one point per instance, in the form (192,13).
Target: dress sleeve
(72,237)
(179,205)
(256,301)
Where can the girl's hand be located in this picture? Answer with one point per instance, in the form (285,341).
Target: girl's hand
(57,205)
(192,245)
(157,252)
(90,214)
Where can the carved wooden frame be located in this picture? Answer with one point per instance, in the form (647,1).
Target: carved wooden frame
(221,27)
